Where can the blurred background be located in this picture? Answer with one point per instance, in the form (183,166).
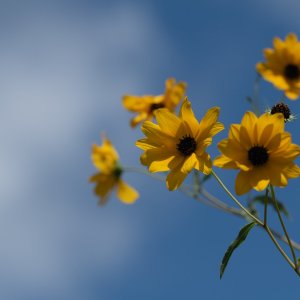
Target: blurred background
(64,66)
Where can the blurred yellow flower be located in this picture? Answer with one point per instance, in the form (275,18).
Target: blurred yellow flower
(282,66)
(105,158)
(262,151)
(145,106)
(178,144)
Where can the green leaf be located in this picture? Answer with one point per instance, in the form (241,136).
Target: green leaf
(261,199)
(236,243)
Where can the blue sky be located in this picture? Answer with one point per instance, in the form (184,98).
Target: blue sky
(64,68)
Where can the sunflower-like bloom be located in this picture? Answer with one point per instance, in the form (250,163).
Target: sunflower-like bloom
(262,151)
(178,144)
(282,66)
(145,106)
(105,158)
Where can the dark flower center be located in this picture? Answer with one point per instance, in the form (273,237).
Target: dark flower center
(155,106)
(117,172)
(258,155)
(187,145)
(281,108)
(292,72)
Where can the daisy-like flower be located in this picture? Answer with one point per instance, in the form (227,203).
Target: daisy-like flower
(178,144)
(145,106)
(282,66)
(284,109)
(106,159)
(262,151)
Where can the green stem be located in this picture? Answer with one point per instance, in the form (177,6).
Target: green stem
(280,249)
(283,226)
(263,224)
(235,200)
(266,207)
(212,201)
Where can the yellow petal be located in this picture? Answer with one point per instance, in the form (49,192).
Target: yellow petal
(126,193)
(278,43)
(204,163)
(157,159)
(104,188)
(138,119)
(146,144)
(175,178)
(173,93)
(216,129)
(248,121)
(137,103)
(246,138)
(225,162)
(292,171)
(274,142)
(169,123)
(278,121)
(189,163)
(235,152)
(242,183)
(291,39)
(260,178)
(265,134)
(104,157)
(207,123)
(277,176)
(187,115)
(293,94)
(157,136)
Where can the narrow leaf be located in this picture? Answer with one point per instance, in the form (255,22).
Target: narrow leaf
(236,243)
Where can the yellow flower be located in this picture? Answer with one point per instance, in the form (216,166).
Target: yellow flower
(145,106)
(262,151)
(178,144)
(105,158)
(282,66)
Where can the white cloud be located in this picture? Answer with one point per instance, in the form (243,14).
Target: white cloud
(59,75)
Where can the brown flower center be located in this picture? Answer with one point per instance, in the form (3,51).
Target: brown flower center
(117,172)
(292,72)
(258,155)
(187,145)
(281,108)
(155,106)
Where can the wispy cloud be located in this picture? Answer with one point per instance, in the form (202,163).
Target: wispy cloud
(60,75)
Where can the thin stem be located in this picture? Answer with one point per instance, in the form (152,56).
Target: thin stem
(280,249)
(283,226)
(238,212)
(236,201)
(210,200)
(266,207)
(256,88)
(183,188)
(293,265)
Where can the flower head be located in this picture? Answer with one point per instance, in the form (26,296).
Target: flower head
(282,66)
(105,158)
(178,144)
(282,108)
(262,151)
(145,106)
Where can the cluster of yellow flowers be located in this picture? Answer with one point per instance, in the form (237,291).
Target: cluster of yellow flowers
(259,147)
